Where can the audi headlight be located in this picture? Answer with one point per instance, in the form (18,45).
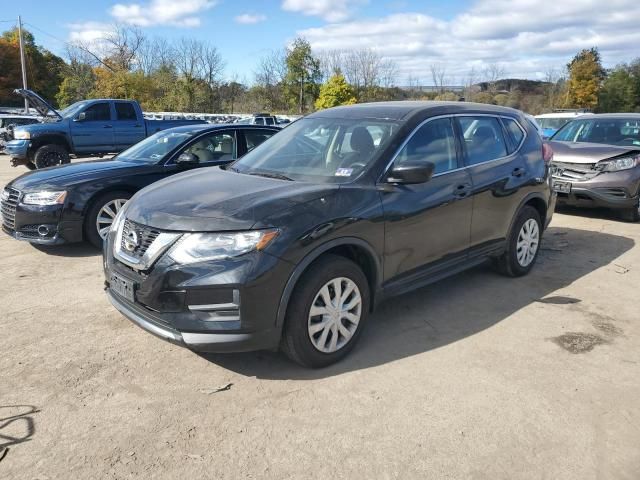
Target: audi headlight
(618,164)
(21,134)
(44,198)
(201,247)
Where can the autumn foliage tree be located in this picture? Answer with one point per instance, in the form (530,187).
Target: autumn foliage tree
(585,79)
(335,92)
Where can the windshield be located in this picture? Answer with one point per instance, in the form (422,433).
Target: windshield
(610,131)
(328,150)
(552,123)
(155,148)
(72,109)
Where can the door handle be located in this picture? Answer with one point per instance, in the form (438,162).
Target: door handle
(462,190)
(518,172)
(107,126)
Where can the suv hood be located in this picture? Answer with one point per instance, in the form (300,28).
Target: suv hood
(36,101)
(570,152)
(212,199)
(65,175)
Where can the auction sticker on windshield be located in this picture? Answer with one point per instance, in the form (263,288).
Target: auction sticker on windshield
(344,172)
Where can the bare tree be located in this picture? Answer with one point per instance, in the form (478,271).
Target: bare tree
(116,50)
(269,77)
(438,75)
(212,68)
(492,73)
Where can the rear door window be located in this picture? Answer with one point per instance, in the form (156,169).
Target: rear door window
(254,137)
(483,138)
(125,111)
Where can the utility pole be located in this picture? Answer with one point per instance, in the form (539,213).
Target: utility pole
(22,63)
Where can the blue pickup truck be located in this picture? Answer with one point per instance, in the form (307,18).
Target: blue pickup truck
(87,128)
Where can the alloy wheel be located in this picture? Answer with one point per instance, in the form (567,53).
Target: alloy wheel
(107,215)
(334,314)
(528,242)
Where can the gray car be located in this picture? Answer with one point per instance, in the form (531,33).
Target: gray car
(597,163)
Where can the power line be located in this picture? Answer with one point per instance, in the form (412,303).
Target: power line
(46,33)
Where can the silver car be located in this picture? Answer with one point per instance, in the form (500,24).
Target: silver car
(597,163)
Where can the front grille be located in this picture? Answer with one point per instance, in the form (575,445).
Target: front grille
(10,199)
(574,171)
(143,235)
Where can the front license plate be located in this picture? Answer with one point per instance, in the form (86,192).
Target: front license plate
(122,286)
(561,187)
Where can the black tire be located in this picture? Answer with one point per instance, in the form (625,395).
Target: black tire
(50,156)
(631,214)
(508,264)
(30,166)
(296,342)
(90,229)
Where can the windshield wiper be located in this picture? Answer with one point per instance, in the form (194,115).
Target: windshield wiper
(277,176)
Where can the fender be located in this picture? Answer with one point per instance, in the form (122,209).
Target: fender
(313,255)
(527,198)
(47,138)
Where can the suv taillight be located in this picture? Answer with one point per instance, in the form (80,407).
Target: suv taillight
(547,153)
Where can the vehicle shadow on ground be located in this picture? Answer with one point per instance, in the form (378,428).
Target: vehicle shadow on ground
(69,250)
(16,424)
(453,309)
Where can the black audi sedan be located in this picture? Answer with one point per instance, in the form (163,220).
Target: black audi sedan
(79,201)
(294,244)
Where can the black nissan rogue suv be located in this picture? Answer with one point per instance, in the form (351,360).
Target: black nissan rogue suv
(295,243)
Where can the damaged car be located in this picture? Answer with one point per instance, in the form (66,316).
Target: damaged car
(597,163)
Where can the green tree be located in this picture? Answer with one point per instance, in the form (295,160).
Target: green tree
(44,69)
(617,93)
(335,92)
(78,82)
(303,75)
(585,79)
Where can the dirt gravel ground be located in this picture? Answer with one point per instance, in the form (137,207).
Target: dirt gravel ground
(479,377)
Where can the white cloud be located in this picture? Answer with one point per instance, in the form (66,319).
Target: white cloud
(527,38)
(250,18)
(329,10)
(181,13)
(89,32)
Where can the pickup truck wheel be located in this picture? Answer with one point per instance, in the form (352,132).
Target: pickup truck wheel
(101,215)
(50,156)
(523,244)
(327,312)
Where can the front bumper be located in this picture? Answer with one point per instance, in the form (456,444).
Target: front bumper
(220,306)
(614,190)
(27,220)
(17,148)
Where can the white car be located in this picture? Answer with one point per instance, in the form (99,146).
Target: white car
(552,122)
(7,121)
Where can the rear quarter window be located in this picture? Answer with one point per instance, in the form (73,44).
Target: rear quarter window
(515,133)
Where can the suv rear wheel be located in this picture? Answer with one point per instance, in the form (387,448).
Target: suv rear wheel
(523,244)
(327,312)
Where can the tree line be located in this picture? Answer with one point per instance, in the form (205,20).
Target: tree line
(189,75)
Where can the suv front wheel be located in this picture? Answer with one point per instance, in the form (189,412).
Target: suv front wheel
(327,312)
(523,244)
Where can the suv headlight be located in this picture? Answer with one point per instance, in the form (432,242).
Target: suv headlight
(21,135)
(201,247)
(44,198)
(618,164)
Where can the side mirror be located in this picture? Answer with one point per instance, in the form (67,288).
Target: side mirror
(81,117)
(411,173)
(186,159)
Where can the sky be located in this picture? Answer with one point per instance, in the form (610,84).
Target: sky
(525,38)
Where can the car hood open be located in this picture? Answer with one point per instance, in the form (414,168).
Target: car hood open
(213,199)
(36,101)
(570,152)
